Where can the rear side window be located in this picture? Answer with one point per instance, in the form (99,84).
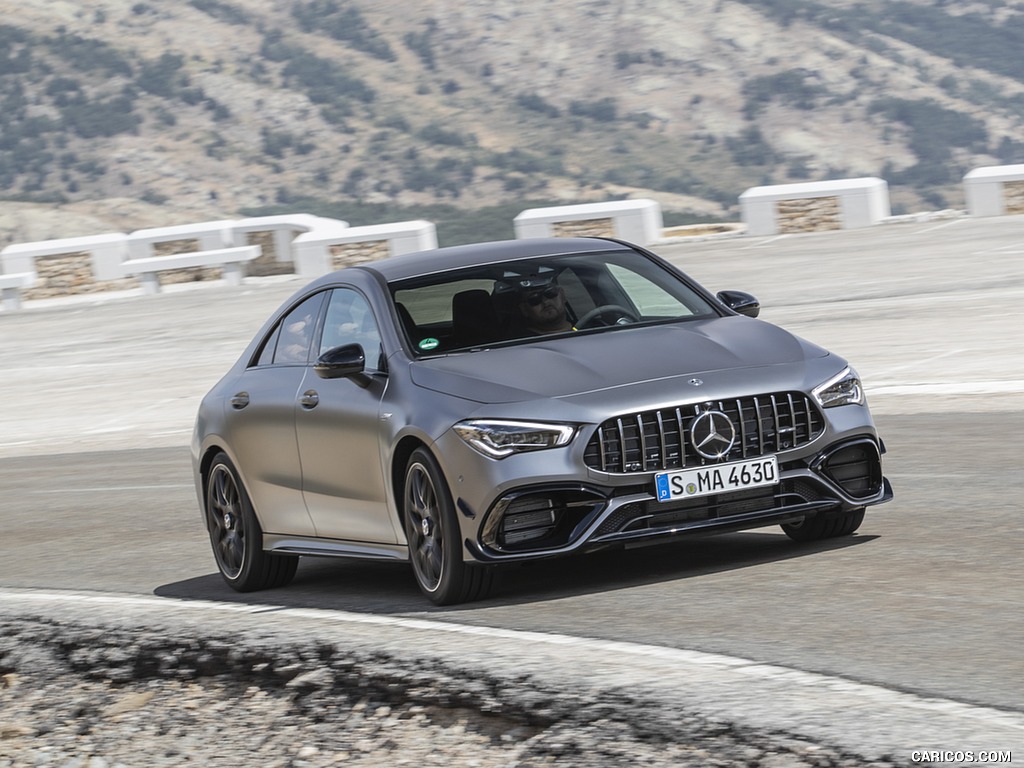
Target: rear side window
(291,340)
(431,304)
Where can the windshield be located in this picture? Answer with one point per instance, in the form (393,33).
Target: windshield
(518,301)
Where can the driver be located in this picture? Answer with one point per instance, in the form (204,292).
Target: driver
(542,306)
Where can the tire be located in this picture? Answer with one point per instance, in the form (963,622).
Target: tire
(825,526)
(435,539)
(236,535)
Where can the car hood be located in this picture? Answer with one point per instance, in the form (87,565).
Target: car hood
(576,365)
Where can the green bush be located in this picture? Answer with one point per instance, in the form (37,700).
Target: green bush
(15,53)
(325,81)
(603,110)
(750,148)
(934,132)
(434,133)
(90,55)
(163,77)
(789,87)
(422,44)
(969,39)
(101,118)
(535,103)
(222,11)
(344,23)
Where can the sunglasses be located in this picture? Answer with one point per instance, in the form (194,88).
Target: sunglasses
(534,299)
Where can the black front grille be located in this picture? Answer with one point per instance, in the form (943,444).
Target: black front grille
(660,439)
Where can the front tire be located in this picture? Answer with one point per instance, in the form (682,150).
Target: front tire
(825,526)
(236,535)
(435,540)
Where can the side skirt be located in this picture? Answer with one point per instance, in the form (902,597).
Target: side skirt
(300,545)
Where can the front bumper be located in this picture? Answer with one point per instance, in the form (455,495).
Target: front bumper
(551,519)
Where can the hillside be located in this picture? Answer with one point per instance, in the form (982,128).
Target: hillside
(119,114)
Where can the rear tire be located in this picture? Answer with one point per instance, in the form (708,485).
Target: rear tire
(825,526)
(435,539)
(236,535)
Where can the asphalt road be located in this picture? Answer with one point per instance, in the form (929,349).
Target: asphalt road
(95,483)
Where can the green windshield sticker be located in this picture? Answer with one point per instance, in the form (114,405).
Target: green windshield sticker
(428,344)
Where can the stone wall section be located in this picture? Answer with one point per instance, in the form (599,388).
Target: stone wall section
(267,263)
(814,214)
(68,274)
(585,228)
(1013,196)
(349,254)
(185,274)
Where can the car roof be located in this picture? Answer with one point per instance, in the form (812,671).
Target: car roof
(459,256)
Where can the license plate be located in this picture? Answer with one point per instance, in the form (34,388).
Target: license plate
(717,478)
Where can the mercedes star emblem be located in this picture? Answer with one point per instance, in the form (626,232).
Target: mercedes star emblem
(712,434)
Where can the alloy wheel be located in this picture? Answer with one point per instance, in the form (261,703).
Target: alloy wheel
(225,521)
(424,527)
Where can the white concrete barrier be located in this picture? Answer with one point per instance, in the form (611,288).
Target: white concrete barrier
(815,206)
(283,229)
(11,285)
(638,221)
(995,190)
(210,235)
(320,252)
(106,252)
(231,261)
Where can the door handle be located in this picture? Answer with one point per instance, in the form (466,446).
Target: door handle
(309,399)
(240,400)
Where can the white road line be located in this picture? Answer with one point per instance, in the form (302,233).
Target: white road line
(769,241)
(938,226)
(111,488)
(919,363)
(950,388)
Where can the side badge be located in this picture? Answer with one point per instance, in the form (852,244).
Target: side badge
(696,382)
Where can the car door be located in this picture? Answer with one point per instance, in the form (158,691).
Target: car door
(262,421)
(338,430)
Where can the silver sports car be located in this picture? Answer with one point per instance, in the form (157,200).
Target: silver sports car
(466,407)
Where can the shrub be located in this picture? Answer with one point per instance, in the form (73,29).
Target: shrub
(603,110)
(344,23)
(535,103)
(790,87)
(222,11)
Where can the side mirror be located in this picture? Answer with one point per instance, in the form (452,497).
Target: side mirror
(740,302)
(341,362)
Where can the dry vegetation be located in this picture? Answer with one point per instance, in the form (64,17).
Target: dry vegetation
(124,113)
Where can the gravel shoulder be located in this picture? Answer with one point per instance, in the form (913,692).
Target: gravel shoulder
(106,680)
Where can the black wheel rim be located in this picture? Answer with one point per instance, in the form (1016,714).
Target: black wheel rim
(423,527)
(224,518)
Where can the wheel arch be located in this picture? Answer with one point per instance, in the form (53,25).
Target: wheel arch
(206,461)
(399,459)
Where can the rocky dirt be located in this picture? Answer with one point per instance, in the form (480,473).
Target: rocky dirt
(78,696)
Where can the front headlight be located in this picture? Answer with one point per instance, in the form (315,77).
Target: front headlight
(498,439)
(844,389)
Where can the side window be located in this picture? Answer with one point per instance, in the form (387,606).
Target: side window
(290,341)
(266,355)
(350,320)
(649,298)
